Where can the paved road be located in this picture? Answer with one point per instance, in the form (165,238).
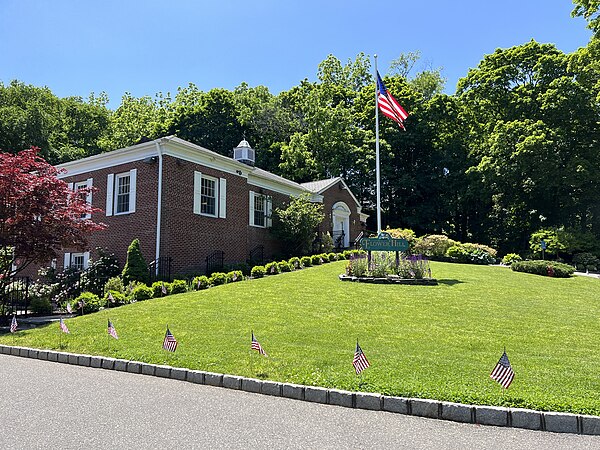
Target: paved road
(51,405)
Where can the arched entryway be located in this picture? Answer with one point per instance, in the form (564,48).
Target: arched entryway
(340,213)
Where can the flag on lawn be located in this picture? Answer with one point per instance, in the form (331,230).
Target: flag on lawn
(164,289)
(63,326)
(169,344)
(13,324)
(69,309)
(503,372)
(388,105)
(256,346)
(111,330)
(110,297)
(360,361)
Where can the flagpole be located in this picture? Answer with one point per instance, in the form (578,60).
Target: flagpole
(377,150)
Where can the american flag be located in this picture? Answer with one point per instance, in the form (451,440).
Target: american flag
(169,344)
(360,361)
(164,289)
(503,372)
(388,104)
(256,346)
(63,326)
(13,324)
(111,330)
(110,297)
(69,309)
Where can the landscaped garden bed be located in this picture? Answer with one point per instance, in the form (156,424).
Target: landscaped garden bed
(391,279)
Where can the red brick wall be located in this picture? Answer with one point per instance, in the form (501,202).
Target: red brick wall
(122,229)
(330,197)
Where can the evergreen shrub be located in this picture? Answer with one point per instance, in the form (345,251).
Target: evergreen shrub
(258,271)
(545,268)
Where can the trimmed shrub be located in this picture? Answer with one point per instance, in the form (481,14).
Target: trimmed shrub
(201,282)
(324,258)
(218,278)
(141,292)
(284,266)
(114,284)
(305,261)
(135,268)
(511,258)
(545,268)
(272,268)
(40,305)
(471,253)
(118,299)
(157,289)
(332,257)
(238,267)
(91,303)
(295,263)
(340,256)
(235,276)
(258,271)
(435,245)
(316,260)
(179,287)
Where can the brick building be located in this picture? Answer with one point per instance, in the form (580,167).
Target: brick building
(186,202)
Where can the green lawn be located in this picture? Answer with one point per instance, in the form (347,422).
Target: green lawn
(435,342)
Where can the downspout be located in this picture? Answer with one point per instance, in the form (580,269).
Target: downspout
(159,204)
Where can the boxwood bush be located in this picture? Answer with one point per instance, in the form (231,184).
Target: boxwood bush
(332,257)
(258,272)
(235,276)
(305,261)
(141,292)
(511,258)
(91,303)
(546,268)
(179,287)
(295,263)
(201,282)
(272,268)
(118,299)
(284,266)
(218,278)
(316,260)
(157,287)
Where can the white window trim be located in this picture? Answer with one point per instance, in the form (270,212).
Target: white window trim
(220,196)
(268,201)
(112,192)
(68,260)
(84,184)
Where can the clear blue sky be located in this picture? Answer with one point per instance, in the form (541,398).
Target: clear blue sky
(78,46)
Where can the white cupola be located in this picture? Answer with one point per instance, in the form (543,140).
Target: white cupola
(244,153)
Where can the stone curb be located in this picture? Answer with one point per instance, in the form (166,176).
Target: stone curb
(556,422)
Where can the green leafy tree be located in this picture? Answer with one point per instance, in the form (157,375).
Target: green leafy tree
(136,268)
(296,224)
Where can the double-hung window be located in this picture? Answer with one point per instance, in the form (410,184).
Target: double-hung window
(260,210)
(121,193)
(77,261)
(210,195)
(87,197)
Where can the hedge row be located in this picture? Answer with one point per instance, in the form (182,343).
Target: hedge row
(545,268)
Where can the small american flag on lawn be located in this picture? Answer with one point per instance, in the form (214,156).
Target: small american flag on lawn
(111,330)
(110,297)
(360,361)
(69,309)
(13,324)
(164,289)
(169,344)
(503,372)
(63,326)
(256,346)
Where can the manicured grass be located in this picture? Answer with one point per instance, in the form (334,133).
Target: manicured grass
(436,342)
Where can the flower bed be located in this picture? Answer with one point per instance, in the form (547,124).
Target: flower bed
(391,279)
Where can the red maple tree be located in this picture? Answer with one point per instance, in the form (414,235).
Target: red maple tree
(39,214)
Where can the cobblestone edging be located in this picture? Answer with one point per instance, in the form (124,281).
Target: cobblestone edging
(486,415)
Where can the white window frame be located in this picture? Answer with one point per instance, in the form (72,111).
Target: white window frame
(112,192)
(220,195)
(267,207)
(69,258)
(85,185)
